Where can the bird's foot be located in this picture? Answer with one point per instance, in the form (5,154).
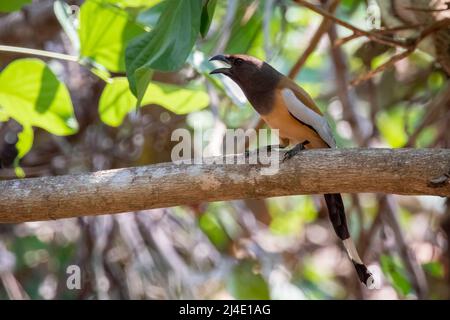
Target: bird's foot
(295,150)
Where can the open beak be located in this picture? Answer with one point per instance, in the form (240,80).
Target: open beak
(225,71)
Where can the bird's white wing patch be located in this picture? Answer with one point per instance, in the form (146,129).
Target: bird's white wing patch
(299,110)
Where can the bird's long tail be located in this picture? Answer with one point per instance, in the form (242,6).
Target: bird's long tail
(336,213)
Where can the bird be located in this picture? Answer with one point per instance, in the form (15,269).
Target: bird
(284,105)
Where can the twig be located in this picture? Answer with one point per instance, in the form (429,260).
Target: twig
(346,96)
(438,25)
(372,36)
(323,27)
(438,103)
(353,36)
(41,53)
(342,41)
(412,265)
(427,9)
(412,47)
(370,74)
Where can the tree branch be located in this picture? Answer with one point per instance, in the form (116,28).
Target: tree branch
(400,171)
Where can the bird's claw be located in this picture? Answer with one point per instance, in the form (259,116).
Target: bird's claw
(295,150)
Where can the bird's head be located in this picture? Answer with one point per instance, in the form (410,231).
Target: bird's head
(248,72)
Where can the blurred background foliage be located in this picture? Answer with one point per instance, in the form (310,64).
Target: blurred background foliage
(70,108)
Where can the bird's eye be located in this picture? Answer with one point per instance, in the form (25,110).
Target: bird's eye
(238,61)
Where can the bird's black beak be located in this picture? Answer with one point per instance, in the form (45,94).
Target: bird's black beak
(223,58)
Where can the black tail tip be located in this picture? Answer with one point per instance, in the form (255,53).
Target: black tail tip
(364,275)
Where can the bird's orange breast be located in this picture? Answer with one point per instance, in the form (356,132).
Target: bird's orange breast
(289,127)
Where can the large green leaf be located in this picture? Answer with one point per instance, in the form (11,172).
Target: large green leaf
(244,283)
(12,5)
(166,47)
(32,95)
(104,33)
(117,100)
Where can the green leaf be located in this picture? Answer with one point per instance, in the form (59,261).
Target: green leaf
(143,78)
(434,268)
(104,33)
(150,16)
(207,14)
(12,5)
(32,95)
(23,145)
(292,218)
(117,100)
(245,284)
(25,141)
(176,99)
(396,273)
(392,126)
(213,229)
(245,31)
(166,47)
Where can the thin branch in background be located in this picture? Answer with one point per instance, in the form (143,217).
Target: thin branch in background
(268,9)
(371,35)
(342,41)
(434,109)
(365,243)
(345,94)
(443,136)
(410,45)
(411,48)
(226,28)
(399,28)
(374,108)
(12,287)
(388,64)
(445,225)
(314,41)
(389,209)
(432,28)
(426,9)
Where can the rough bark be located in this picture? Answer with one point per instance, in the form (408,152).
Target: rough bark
(399,171)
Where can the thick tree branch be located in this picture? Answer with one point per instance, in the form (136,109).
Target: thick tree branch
(400,171)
